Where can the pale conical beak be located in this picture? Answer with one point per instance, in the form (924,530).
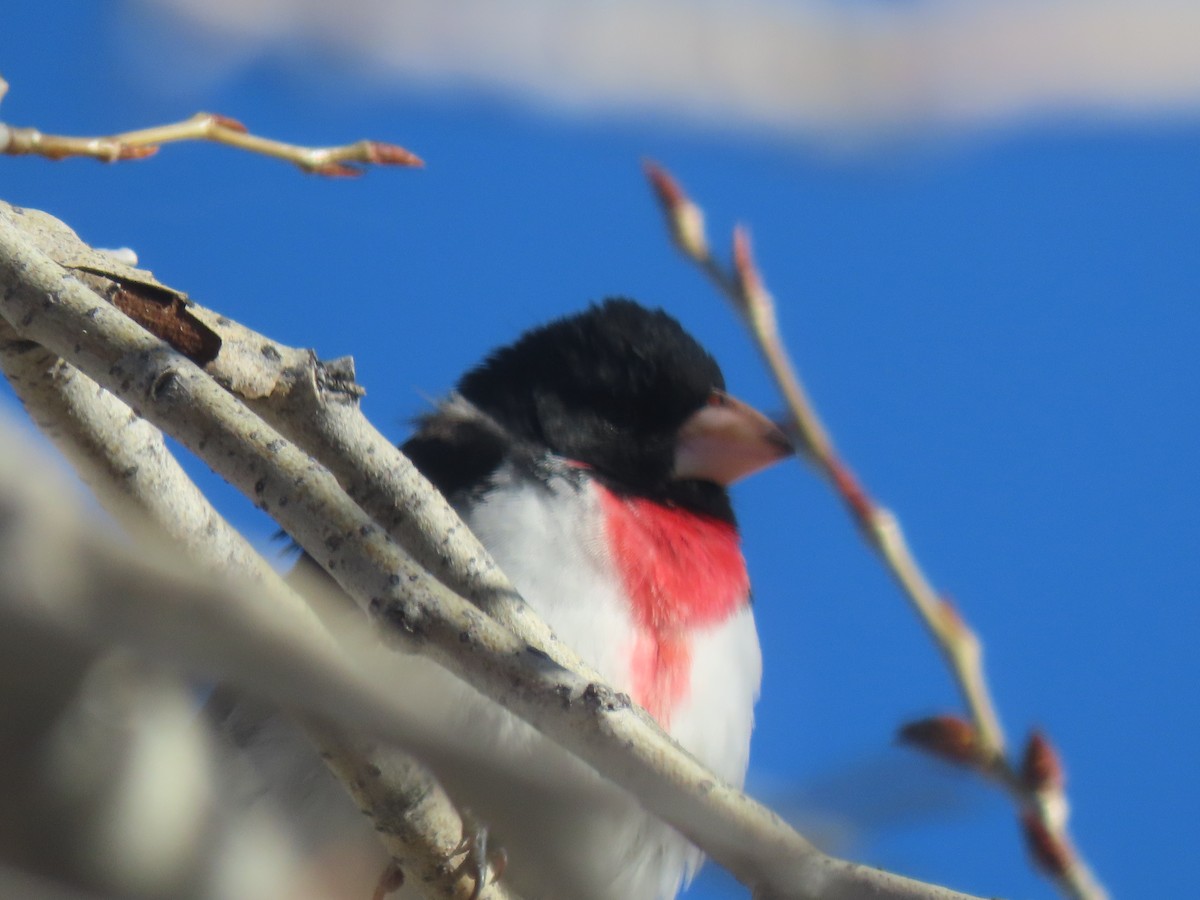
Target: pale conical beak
(727,440)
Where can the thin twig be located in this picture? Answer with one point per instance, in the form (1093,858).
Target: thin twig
(1041,803)
(345,160)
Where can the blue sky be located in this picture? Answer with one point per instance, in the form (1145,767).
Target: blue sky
(1000,327)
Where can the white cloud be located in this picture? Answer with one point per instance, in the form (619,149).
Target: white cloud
(823,68)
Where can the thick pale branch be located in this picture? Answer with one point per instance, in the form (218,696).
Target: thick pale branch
(61,570)
(600,726)
(314,404)
(124,460)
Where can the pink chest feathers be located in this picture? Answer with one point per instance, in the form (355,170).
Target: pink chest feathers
(682,572)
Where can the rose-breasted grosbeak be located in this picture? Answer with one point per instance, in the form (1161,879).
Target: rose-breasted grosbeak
(591,458)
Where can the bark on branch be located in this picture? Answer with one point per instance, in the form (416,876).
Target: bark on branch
(496,646)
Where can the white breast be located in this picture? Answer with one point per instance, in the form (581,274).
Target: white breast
(568,832)
(573,584)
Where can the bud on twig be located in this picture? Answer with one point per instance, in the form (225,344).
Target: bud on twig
(1041,769)
(345,160)
(755,300)
(685,220)
(946,737)
(977,742)
(1042,775)
(951,617)
(851,492)
(1049,851)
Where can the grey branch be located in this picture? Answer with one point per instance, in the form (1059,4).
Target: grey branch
(124,460)
(48,304)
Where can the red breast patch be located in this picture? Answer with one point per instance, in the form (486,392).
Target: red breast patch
(681,571)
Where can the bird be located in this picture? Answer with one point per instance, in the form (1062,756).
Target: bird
(592,457)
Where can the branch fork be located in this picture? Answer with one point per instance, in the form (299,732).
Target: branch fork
(353,501)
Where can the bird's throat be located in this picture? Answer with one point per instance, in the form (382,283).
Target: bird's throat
(682,573)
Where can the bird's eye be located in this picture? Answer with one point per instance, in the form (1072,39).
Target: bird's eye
(716,398)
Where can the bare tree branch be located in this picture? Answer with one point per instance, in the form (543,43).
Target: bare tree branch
(1037,785)
(347,160)
(124,460)
(48,304)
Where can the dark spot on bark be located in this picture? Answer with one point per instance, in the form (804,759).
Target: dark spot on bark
(393,580)
(270,353)
(163,383)
(602,697)
(405,618)
(260,485)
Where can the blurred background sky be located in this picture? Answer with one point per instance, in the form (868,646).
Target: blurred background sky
(980,221)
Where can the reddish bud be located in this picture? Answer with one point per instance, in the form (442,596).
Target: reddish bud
(1049,851)
(946,737)
(391,155)
(684,218)
(336,170)
(666,188)
(743,263)
(227,122)
(129,151)
(951,615)
(851,492)
(1041,768)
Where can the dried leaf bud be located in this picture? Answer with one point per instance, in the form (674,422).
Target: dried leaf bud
(684,218)
(950,613)
(1049,851)
(386,154)
(750,285)
(334,170)
(134,151)
(946,737)
(851,492)
(1041,769)
(223,121)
